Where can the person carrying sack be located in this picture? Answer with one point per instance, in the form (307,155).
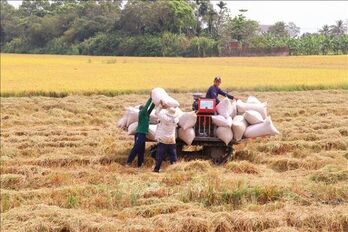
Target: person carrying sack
(141,132)
(165,135)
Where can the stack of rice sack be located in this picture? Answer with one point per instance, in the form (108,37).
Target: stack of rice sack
(247,120)
(226,110)
(187,120)
(186,131)
(129,122)
(255,113)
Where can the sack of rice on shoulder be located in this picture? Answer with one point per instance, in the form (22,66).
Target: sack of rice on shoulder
(221,121)
(159,96)
(170,102)
(239,125)
(261,129)
(225,134)
(187,135)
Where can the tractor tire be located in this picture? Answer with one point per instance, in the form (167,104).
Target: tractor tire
(218,154)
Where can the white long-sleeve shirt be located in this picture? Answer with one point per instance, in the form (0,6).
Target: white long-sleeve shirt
(166,128)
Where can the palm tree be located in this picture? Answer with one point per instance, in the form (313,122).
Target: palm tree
(338,29)
(325,30)
(221,5)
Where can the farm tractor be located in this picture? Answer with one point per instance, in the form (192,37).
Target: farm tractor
(205,145)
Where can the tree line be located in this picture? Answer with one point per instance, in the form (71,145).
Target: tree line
(150,28)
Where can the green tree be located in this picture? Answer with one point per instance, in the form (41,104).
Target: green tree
(182,17)
(279,30)
(201,11)
(338,29)
(241,29)
(8,22)
(202,46)
(37,7)
(325,30)
(292,29)
(221,19)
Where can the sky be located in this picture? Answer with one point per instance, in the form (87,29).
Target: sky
(310,16)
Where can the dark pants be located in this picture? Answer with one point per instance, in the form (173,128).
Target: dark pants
(138,149)
(162,149)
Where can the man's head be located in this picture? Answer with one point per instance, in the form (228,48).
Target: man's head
(217,81)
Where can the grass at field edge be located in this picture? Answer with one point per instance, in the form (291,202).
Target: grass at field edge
(112,93)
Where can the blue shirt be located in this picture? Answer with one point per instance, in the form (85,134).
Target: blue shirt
(213,93)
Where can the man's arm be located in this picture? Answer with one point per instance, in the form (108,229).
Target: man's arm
(225,94)
(145,108)
(151,108)
(148,103)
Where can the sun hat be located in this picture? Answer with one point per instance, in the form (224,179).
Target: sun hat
(172,111)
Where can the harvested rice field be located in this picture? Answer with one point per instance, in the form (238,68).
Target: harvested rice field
(62,169)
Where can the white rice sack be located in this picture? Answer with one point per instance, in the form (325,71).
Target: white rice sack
(234,109)
(180,112)
(242,107)
(225,134)
(261,129)
(239,125)
(132,128)
(152,132)
(157,95)
(170,102)
(252,99)
(220,120)
(187,135)
(253,117)
(187,120)
(122,123)
(224,108)
(132,115)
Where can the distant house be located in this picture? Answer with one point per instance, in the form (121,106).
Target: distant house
(264,28)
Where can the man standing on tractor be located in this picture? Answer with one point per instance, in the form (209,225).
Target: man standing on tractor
(165,135)
(141,132)
(214,91)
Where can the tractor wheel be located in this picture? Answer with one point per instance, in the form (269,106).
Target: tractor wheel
(219,154)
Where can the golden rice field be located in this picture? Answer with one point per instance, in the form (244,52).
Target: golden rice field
(62,169)
(62,159)
(41,74)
